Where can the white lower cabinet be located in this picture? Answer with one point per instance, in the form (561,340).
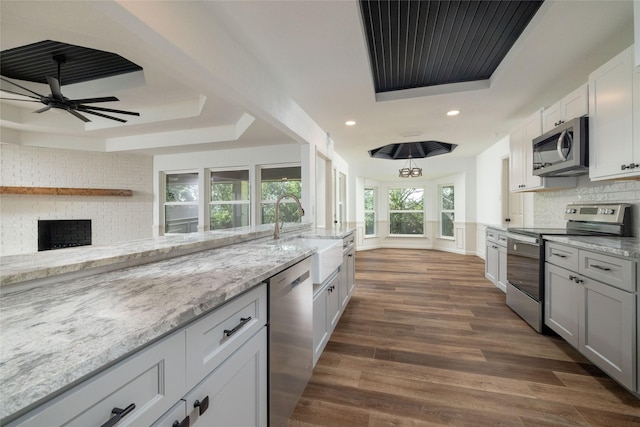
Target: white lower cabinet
(495,263)
(591,302)
(212,372)
(607,330)
(326,313)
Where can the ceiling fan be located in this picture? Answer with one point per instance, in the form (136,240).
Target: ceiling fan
(73,106)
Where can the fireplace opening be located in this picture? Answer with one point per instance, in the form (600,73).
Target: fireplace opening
(63,233)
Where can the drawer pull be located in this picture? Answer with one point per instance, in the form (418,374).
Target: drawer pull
(599,267)
(184,423)
(202,406)
(558,255)
(117,414)
(243,321)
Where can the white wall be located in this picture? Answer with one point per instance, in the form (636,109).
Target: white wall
(488,179)
(113,219)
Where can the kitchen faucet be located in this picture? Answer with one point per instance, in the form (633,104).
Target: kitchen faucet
(276,230)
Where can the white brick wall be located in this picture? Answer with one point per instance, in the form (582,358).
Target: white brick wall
(549,205)
(113,219)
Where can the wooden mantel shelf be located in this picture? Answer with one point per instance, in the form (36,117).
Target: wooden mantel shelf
(56,191)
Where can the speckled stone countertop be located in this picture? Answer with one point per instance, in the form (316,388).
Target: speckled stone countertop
(628,247)
(496,227)
(39,265)
(54,336)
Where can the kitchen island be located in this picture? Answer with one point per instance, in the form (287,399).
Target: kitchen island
(57,334)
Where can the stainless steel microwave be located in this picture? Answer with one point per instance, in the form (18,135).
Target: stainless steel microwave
(564,150)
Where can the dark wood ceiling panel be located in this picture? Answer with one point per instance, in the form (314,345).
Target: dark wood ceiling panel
(426,43)
(35,62)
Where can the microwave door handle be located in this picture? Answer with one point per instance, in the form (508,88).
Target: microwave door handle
(562,155)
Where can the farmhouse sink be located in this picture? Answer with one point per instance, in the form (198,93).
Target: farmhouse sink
(327,258)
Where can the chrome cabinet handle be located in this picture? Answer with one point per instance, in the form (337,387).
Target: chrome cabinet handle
(117,414)
(630,166)
(599,267)
(243,321)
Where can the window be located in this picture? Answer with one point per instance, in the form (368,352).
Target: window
(273,183)
(369,212)
(406,211)
(181,202)
(230,201)
(447,216)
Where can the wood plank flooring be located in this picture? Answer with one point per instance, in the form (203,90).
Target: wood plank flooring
(426,340)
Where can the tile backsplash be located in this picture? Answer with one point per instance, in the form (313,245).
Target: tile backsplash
(549,205)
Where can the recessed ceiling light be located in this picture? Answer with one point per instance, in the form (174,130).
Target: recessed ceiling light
(453,112)
(350,123)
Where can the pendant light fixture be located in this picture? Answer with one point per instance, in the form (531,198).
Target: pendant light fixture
(410,170)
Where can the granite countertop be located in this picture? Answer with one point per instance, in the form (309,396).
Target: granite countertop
(54,336)
(628,247)
(496,227)
(40,265)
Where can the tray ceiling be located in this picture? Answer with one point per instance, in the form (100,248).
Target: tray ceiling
(416,44)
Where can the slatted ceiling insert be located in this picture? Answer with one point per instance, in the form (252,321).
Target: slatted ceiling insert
(426,43)
(35,62)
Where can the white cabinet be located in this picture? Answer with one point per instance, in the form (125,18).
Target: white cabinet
(575,104)
(495,266)
(614,144)
(347,270)
(326,313)
(636,30)
(590,301)
(151,380)
(222,356)
(521,177)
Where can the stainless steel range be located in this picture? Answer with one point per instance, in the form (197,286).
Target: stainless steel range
(525,253)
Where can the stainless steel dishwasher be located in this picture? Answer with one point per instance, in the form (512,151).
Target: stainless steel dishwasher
(290,339)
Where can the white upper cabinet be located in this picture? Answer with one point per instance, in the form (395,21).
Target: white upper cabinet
(576,104)
(636,29)
(614,149)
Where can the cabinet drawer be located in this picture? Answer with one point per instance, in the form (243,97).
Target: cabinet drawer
(613,271)
(502,239)
(153,380)
(491,235)
(562,256)
(348,242)
(213,338)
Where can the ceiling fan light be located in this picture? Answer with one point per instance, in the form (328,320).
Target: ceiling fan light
(404,173)
(416,172)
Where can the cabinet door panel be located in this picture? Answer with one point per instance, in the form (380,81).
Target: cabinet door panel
(236,391)
(610,123)
(491,263)
(320,323)
(561,303)
(607,330)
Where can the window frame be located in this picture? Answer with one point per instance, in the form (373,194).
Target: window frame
(374,195)
(166,203)
(262,201)
(442,211)
(391,211)
(211,202)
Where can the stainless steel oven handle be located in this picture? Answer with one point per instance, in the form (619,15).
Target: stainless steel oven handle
(522,238)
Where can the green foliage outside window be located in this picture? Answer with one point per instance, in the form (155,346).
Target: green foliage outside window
(229,186)
(406,211)
(447,215)
(288,210)
(369,214)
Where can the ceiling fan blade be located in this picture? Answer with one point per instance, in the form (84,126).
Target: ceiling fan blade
(21,94)
(92,100)
(108,110)
(21,87)
(95,113)
(16,99)
(78,115)
(42,110)
(54,84)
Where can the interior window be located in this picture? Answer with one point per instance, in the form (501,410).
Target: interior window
(273,183)
(230,200)
(406,211)
(181,202)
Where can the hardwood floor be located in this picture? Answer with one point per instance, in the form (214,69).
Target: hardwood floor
(426,340)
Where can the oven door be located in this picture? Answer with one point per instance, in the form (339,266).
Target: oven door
(524,264)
